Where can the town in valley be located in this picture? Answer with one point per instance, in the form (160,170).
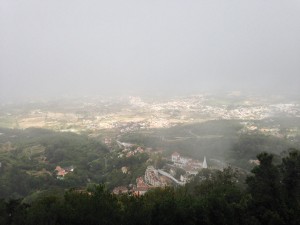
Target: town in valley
(137,127)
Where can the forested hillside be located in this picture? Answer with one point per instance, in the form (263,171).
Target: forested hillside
(272,196)
(35,158)
(29,158)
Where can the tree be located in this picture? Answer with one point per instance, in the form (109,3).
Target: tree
(3,212)
(290,170)
(266,191)
(47,210)
(98,206)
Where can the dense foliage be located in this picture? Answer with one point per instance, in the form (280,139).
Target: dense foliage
(272,197)
(28,159)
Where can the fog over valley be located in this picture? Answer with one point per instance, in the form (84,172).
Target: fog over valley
(74,48)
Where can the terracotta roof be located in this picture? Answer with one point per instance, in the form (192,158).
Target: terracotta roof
(120,190)
(141,189)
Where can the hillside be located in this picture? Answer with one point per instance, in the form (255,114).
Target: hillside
(271,196)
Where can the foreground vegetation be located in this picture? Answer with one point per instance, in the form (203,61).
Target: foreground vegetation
(271,196)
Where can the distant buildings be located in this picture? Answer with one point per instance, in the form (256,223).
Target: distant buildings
(127,150)
(154,178)
(151,177)
(61,172)
(175,157)
(120,190)
(138,191)
(188,164)
(141,187)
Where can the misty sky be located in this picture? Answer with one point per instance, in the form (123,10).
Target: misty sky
(70,47)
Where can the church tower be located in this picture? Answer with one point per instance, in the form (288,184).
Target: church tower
(204,164)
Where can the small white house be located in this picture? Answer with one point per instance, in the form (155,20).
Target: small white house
(175,157)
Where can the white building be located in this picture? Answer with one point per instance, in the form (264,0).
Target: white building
(175,157)
(151,177)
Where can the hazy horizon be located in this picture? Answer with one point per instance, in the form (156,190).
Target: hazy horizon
(57,48)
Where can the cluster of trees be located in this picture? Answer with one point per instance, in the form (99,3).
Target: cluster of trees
(271,196)
(249,145)
(29,157)
(136,167)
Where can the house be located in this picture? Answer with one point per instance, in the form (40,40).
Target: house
(60,171)
(120,190)
(69,169)
(183,160)
(140,182)
(124,169)
(254,161)
(141,187)
(190,170)
(140,150)
(151,177)
(196,164)
(175,157)
(138,191)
